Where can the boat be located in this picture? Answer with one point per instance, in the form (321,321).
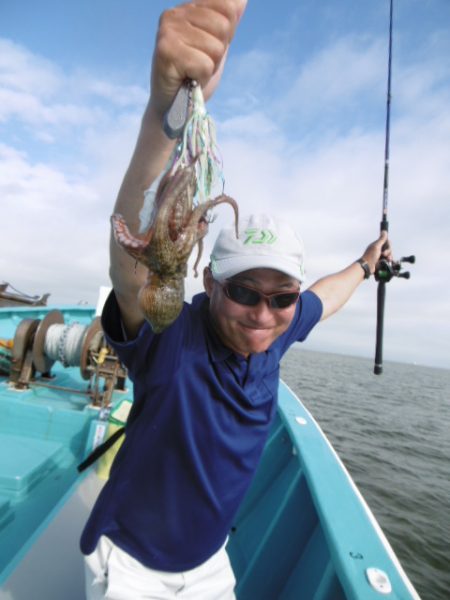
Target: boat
(304,530)
(10,296)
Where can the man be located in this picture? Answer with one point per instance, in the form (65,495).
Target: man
(205,389)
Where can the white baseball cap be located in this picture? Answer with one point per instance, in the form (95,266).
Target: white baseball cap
(264,242)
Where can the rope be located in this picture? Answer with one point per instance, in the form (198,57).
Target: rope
(65,343)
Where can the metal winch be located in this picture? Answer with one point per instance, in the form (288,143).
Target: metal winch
(40,343)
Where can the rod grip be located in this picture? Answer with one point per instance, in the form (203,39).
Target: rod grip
(381,296)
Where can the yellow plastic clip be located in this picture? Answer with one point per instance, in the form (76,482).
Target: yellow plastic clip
(102,355)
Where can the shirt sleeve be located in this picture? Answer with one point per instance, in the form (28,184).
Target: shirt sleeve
(139,353)
(130,352)
(308,314)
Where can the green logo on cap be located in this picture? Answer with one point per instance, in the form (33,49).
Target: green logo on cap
(259,236)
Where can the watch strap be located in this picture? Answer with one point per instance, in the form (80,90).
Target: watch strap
(365,267)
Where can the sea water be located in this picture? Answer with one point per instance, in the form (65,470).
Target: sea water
(393,433)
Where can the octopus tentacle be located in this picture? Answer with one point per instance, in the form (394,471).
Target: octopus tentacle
(232,202)
(196,229)
(200,211)
(131,244)
(181,188)
(199,255)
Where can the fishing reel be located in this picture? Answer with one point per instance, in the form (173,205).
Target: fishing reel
(386,269)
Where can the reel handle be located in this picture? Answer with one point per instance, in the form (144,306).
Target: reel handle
(408,259)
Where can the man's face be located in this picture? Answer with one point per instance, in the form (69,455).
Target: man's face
(250,329)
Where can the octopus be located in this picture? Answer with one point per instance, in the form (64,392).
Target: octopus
(176,227)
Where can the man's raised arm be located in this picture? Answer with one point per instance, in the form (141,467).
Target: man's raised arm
(334,290)
(192,43)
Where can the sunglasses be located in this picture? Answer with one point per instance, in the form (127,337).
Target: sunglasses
(248,296)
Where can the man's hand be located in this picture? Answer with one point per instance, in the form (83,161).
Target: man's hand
(192,43)
(377,250)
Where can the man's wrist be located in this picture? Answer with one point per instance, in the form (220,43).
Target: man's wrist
(365,267)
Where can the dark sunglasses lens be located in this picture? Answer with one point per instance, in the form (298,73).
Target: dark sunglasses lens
(248,297)
(242,295)
(284,300)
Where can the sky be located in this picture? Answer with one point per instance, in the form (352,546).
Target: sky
(300,116)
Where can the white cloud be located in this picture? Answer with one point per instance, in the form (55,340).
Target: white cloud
(119,95)
(36,92)
(55,231)
(338,74)
(34,111)
(21,70)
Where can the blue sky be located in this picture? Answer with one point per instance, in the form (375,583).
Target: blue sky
(300,116)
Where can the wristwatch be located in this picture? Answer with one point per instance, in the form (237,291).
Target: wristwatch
(365,267)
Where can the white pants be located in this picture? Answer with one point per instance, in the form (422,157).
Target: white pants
(112,573)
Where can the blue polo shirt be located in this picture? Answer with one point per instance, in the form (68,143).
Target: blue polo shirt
(200,418)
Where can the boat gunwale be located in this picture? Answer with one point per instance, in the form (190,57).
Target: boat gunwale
(306,433)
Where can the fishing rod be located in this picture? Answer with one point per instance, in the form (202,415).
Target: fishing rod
(386,269)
